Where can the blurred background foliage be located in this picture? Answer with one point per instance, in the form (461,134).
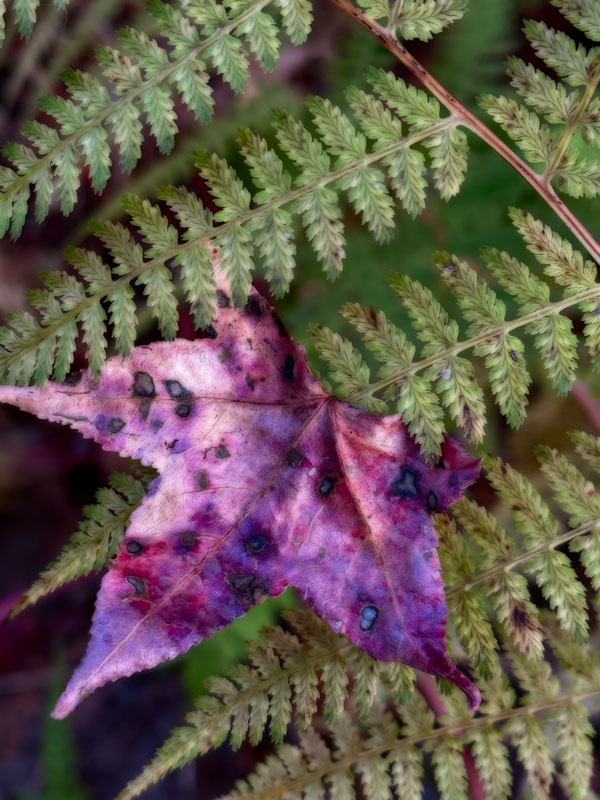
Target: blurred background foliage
(47,473)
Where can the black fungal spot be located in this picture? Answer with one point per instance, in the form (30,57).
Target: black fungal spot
(133,547)
(256,544)
(176,390)
(222,452)
(170,445)
(513,355)
(145,407)
(294,458)
(432,501)
(188,539)
(241,583)
(283,331)
(202,479)
(115,425)
(407,485)
(183,410)
(137,583)
(327,485)
(253,308)
(368,616)
(143,385)
(289,370)
(208,333)
(222,299)
(73,378)
(224,355)
(250,381)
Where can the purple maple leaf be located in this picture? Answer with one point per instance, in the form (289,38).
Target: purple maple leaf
(266,481)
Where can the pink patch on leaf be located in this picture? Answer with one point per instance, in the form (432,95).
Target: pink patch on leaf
(265,481)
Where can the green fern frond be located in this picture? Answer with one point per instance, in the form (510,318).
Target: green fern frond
(303,666)
(571,111)
(144,76)
(96,540)
(249,222)
(385,749)
(416,19)
(490,335)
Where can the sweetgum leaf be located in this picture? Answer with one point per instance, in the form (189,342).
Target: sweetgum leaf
(265,481)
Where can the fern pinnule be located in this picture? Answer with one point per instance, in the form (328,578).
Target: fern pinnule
(416,19)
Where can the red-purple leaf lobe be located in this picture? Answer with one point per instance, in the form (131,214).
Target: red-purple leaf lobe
(265,481)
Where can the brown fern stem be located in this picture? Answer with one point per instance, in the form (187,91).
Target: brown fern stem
(474,124)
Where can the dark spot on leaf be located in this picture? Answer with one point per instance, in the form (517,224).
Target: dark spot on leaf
(432,501)
(145,407)
(208,333)
(407,485)
(222,452)
(153,487)
(256,544)
(241,583)
(253,308)
(327,485)
(513,355)
(137,583)
(202,479)
(283,331)
(294,458)
(133,547)
(224,355)
(176,390)
(368,616)
(289,368)
(188,539)
(73,378)
(222,299)
(143,385)
(183,410)
(250,381)
(115,425)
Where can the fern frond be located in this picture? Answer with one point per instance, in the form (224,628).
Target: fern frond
(93,544)
(248,221)
(416,19)
(303,666)
(572,111)
(304,770)
(144,77)
(490,335)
